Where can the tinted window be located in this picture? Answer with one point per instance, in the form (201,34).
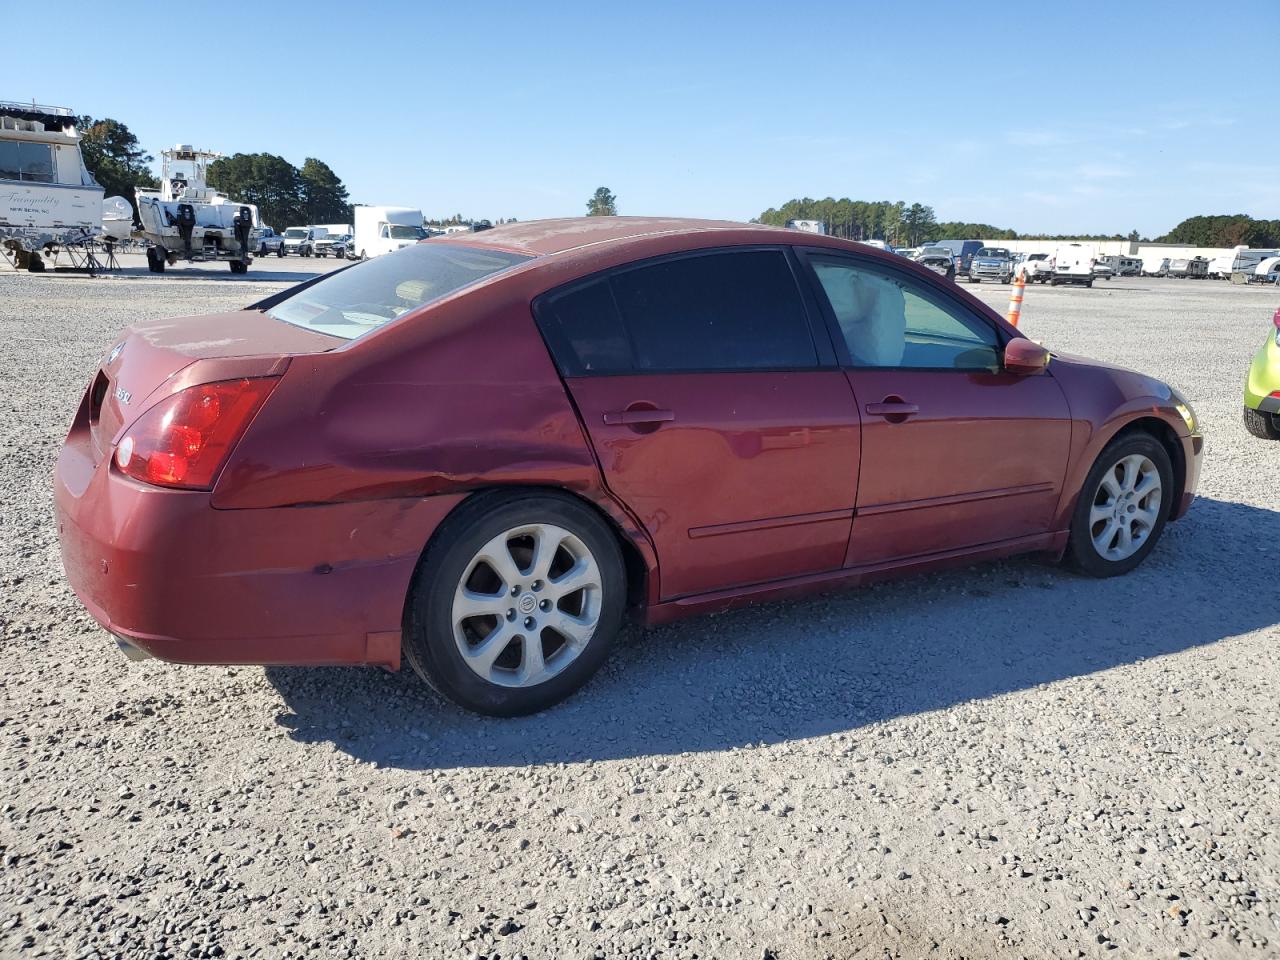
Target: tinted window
(584,331)
(888,320)
(722,311)
(353,301)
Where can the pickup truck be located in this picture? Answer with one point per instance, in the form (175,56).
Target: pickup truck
(270,242)
(333,244)
(302,240)
(991,263)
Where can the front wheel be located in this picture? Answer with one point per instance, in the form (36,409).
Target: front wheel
(1262,424)
(516,603)
(1122,507)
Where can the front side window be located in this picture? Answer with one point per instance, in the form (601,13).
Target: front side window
(888,320)
(732,310)
(30,162)
(354,301)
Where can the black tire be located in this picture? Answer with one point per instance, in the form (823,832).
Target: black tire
(1053,281)
(279,251)
(1260,424)
(1089,283)
(429,643)
(1082,555)
(35,264)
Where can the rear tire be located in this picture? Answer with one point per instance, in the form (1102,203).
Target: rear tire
(1260,424)
(1122,507)
(486,660)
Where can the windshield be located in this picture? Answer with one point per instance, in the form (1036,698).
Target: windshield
(354,301)
(295,232)
(993,252)
(399,231)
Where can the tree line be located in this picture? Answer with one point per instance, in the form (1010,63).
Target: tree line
(1225,230)
(285,195)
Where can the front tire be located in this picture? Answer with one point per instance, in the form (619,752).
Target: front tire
(1260,424)
(1122,508)
(516,603)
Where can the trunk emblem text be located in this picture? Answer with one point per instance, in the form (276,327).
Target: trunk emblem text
(123,395)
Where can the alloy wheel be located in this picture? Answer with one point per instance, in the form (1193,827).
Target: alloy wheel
(527,605)
(1126,507)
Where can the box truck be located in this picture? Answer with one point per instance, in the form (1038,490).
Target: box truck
(382,230)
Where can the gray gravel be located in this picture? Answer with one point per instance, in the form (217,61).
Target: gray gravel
(1004,761)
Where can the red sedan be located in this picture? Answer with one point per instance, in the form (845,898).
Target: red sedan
(483,452)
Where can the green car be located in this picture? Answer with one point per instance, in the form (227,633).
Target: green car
(1262,389)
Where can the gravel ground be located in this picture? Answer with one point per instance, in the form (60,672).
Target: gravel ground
(1003,761)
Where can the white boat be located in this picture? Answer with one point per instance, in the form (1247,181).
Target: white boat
(187,219)
(117,218)
(48,199)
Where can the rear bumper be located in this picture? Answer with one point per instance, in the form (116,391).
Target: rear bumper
(177,579)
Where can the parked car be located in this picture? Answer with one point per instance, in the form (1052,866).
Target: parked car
(1036,267)
(333,245)
(939,260)
(348,470)
(909,252)
(270,242)
(962,252)
(1072,263)
(1262,387)
(302,240)
(991,263)
(1103,270)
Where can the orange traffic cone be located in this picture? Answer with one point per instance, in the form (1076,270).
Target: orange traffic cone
(1015,296)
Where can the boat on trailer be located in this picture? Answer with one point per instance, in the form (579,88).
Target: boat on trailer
(186,219)
(48,198)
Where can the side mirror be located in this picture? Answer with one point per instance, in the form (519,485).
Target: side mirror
(1025,358)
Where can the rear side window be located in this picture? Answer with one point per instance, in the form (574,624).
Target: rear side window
(738,310)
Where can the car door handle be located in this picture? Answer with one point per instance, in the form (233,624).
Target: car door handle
(893,409)
(637,416)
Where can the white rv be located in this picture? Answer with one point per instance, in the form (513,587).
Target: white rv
(1155,266)
(1240,260)
(382,230)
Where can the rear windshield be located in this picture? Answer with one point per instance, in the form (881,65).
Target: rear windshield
(352,302)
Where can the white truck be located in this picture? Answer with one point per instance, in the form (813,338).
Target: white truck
(382,230)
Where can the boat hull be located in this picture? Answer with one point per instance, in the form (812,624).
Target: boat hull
(34,216)
(212,237)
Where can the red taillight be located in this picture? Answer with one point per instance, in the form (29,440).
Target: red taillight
(184,439)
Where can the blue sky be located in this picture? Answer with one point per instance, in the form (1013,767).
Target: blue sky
(1101,118)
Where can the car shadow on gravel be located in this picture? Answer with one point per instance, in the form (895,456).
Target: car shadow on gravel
(827,665)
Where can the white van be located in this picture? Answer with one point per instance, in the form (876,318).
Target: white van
(382,230)
(1072,263)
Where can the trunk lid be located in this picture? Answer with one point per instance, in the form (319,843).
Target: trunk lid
(149,354)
